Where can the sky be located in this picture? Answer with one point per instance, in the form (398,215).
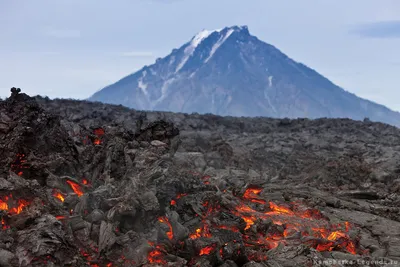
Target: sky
(73,48)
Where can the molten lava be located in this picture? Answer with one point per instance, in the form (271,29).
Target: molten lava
(296,221)
(279,209)
(263,226)
(4,226)
(165,220)
(204,231)
(207,250)
(179,196)
(97,141)
(99,132)
(252,194)
(13,207)
(156,255)
(57,194)
(75,187)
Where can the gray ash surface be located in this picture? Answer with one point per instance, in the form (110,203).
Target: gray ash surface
(89,184)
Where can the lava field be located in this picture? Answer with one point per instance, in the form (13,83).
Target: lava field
(90,184)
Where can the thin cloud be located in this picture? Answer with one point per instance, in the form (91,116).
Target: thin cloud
(62,33)
(381,29)
(137,54)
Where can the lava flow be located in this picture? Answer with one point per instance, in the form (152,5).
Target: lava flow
(12,206)
(266,225)
(57,194)
(156,254)
(76,188)
(165,220)
(99,132)
(252,194)
(207,250)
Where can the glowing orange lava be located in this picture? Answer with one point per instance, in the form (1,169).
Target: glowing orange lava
(97,141)
(207,250)
(285,225)
(13,207)
(165,220)
(57,194)
(156,256)
(4,226)
(204,231)
(278,209)
(76,187)
(252,194)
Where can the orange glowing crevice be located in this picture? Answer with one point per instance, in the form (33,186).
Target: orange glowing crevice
(204,231)
(291,222)
(4,226)
(97,142)
(3,205)
(165,220)
(75,187)
(12,206)
(207,250)
(179,196)
(252,194)
(99,132)
(57,194)
(156,255)
(279,209)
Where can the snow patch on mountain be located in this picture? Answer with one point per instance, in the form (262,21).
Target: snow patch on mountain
(142,85)
(189,50)
(270,81)
(269,100)
(164,91)
(219,43)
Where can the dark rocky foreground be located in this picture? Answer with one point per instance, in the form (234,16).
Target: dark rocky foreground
(88,184)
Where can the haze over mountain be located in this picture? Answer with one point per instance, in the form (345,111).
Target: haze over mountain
(231,72)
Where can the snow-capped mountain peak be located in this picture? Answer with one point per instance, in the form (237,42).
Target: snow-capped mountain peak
(230,72)
(203,35)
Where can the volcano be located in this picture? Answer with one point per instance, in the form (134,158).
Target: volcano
(231,72)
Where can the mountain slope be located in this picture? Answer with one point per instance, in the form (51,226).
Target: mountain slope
(231,72)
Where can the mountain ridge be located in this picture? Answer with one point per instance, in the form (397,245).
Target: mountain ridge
(231,72)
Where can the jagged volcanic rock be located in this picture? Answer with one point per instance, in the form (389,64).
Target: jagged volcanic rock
(163,189)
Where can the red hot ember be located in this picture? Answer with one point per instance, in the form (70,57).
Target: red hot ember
(165,220)
(57,194)
(99,132)
(7,203)
(75,187)
(291,223)
(19,164)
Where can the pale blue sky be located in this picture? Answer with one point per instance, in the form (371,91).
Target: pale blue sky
(72,48)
